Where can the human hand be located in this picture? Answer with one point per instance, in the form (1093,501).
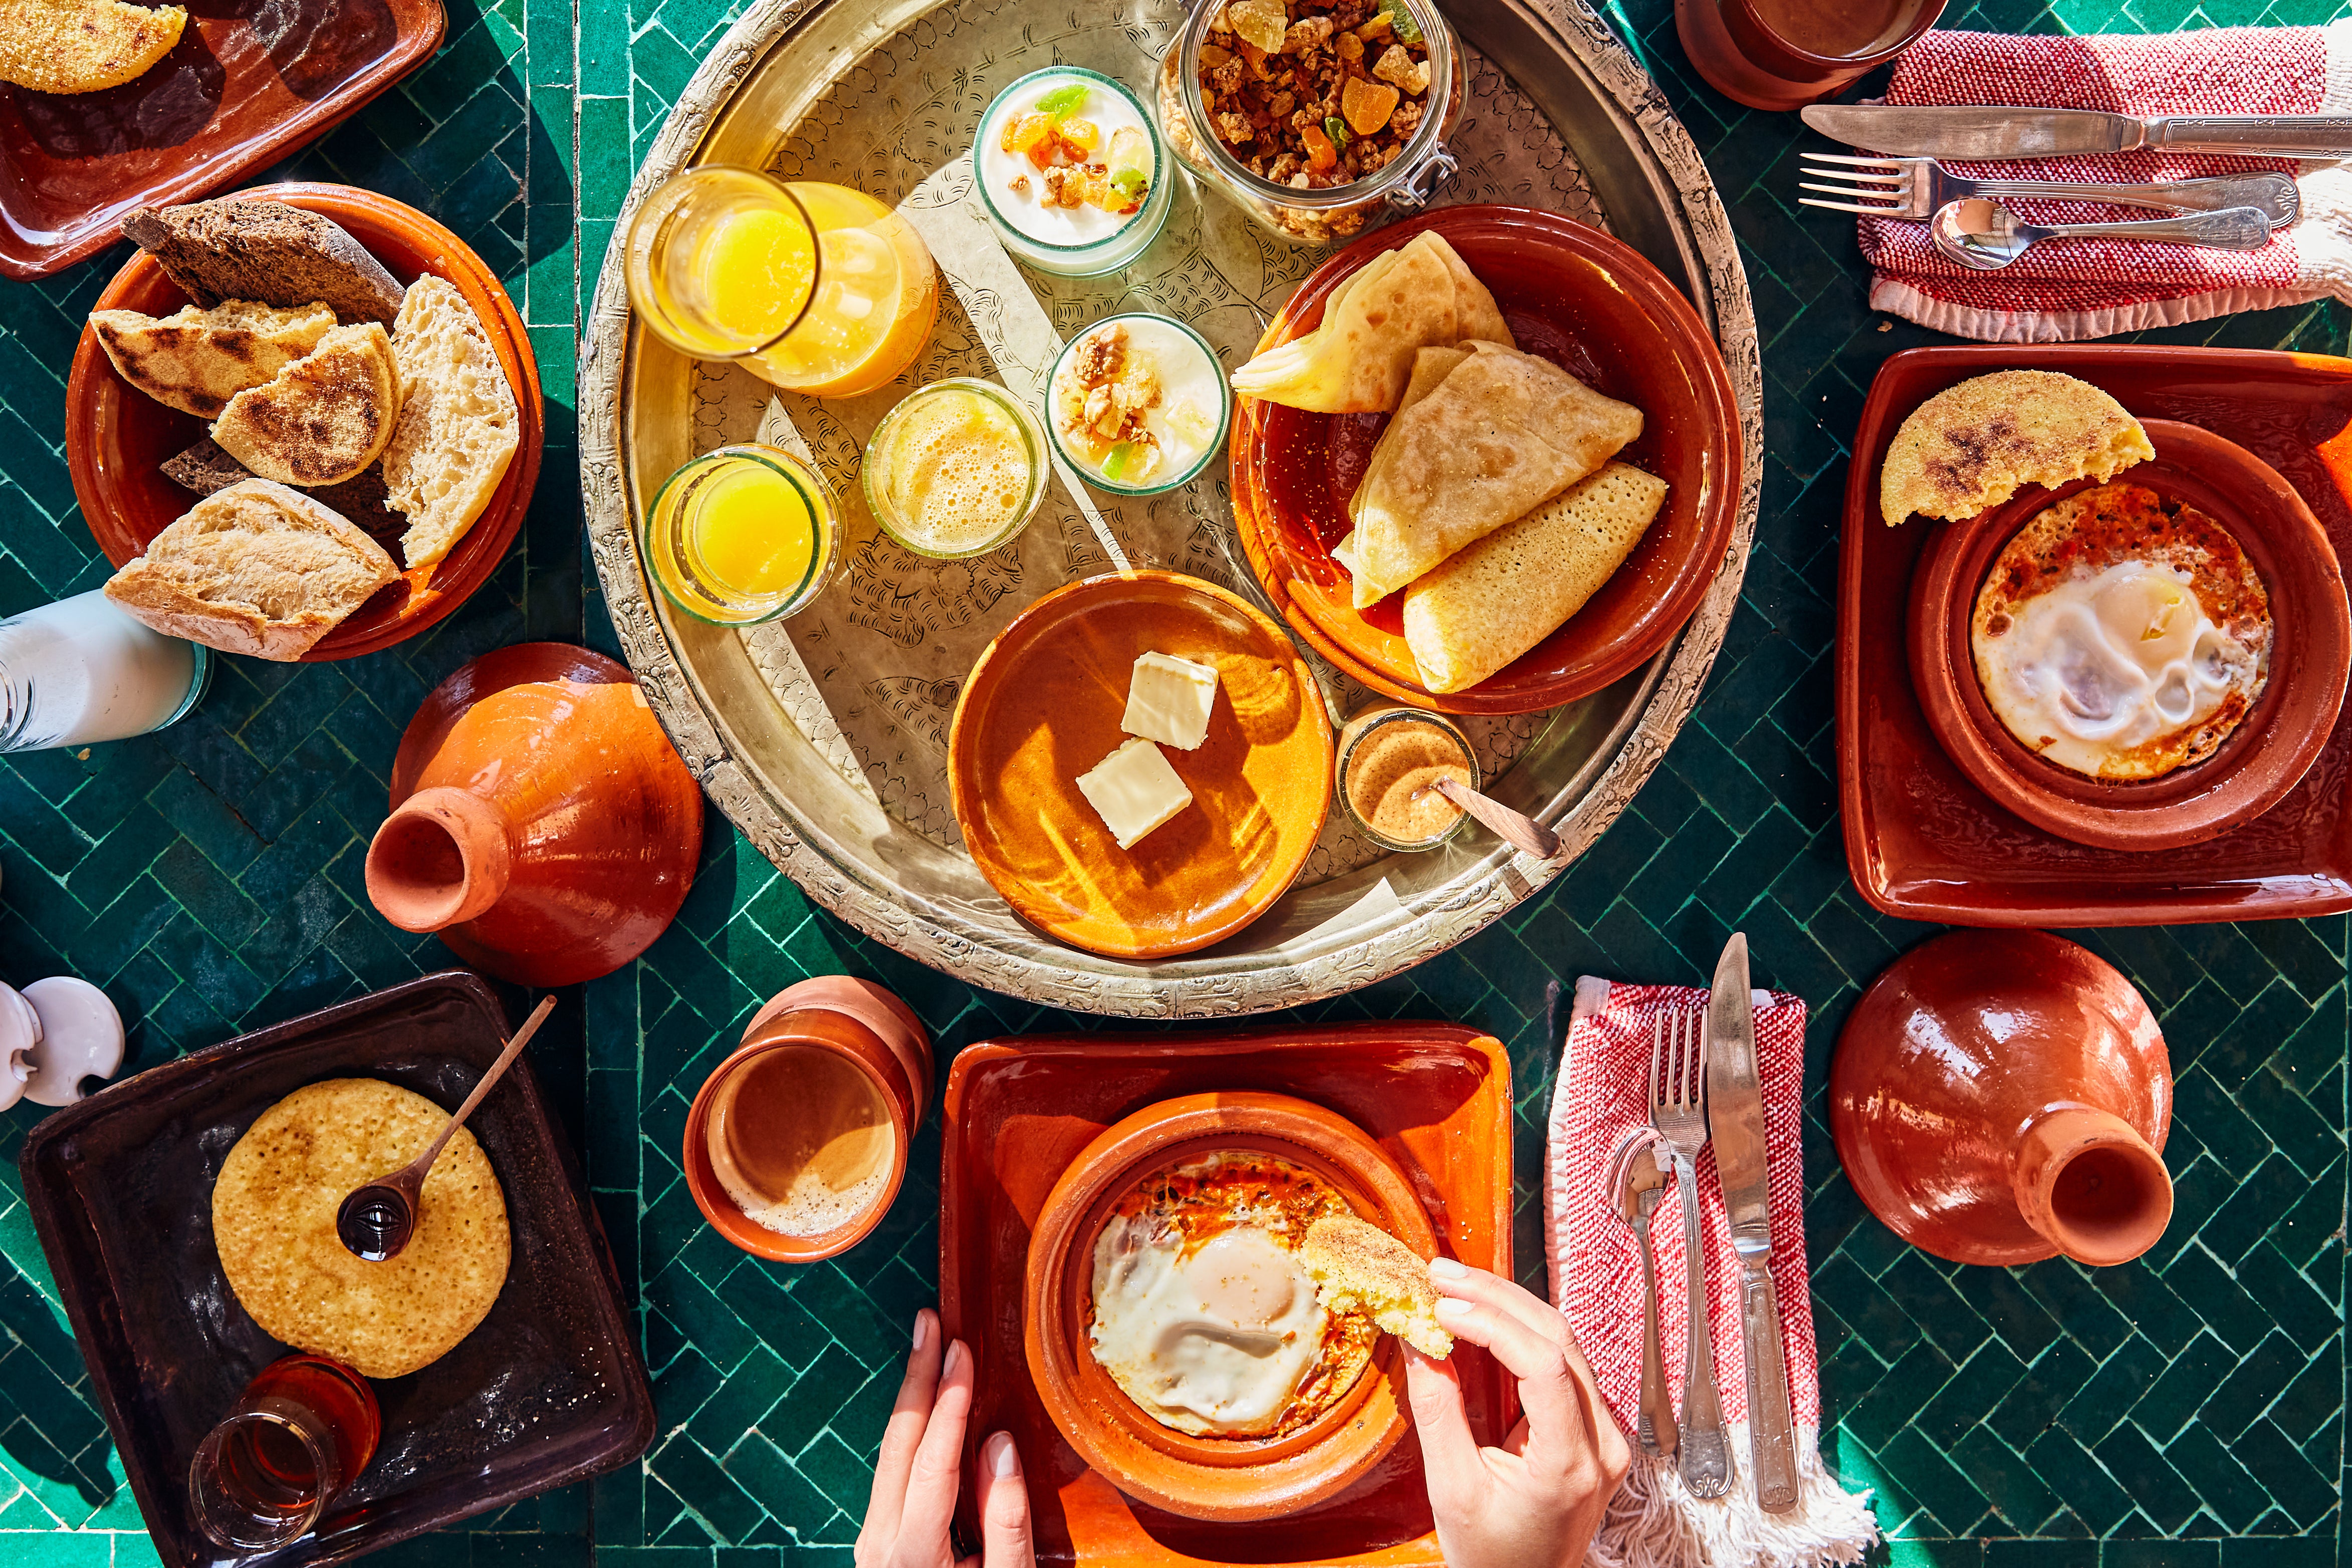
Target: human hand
(1536,1501)
(913,1503)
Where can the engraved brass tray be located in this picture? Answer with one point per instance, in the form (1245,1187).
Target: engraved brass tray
(824,737)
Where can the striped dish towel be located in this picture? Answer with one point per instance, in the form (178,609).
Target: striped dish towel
(1596,1277)
(2093,288)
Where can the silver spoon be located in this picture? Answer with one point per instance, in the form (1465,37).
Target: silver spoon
(1987,236)
(1522,833)
(1639,1189)
(377,1220)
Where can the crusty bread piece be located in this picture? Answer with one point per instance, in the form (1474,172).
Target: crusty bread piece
(83,45)
(258,568)
(196,360)
(458,423)
(207,470)
(238,248)
(1359,1266)
(323,418)
(1974,445)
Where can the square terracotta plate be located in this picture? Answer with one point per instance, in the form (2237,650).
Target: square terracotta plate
(548,1388)
(1437,1097)
(236,93)
(1921,841)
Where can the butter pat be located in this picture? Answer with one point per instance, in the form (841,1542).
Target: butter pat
(1169,700)
(1134,790)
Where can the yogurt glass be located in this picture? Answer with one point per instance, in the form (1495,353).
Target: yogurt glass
(1166,415)
(1021,159)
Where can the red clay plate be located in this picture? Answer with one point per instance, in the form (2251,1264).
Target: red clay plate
(223,103)
(1043,705)
(1924,842)
(1435,1097)
(118,438)
(1591,306)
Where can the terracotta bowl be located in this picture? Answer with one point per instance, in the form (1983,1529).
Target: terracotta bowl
(2263,759)
(118,438)
(1593,306)
(1225,1478)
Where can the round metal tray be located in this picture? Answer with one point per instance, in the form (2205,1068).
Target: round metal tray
(823,736)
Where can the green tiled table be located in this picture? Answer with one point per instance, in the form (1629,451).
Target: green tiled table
(2184,1410)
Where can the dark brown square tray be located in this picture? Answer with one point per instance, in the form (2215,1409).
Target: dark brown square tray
(549,1388)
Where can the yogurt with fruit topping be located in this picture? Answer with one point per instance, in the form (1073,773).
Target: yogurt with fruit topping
(1071,172)
(1138,403)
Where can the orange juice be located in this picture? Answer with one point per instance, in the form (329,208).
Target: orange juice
(741,535)
(816,287)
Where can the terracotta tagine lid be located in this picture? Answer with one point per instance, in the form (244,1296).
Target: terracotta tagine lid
(2001,1097)
(542,821)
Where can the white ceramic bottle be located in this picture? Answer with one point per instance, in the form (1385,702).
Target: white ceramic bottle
(80,670)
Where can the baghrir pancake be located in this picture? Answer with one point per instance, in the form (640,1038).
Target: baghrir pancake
(1976,444)
(274,1208)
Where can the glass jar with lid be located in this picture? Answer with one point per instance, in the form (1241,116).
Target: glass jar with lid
(1241,125)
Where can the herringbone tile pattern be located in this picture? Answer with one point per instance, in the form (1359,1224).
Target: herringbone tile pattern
(2187,1409)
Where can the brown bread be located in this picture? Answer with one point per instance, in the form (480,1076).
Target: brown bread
(236,248)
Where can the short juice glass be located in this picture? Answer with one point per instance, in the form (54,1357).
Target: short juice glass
(957,470)
(742,535)
(816,288)
(1380,754)
(1017,168)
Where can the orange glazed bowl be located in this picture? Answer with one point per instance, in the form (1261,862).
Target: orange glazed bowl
(1593,306)
(118,438)
(1223,1478)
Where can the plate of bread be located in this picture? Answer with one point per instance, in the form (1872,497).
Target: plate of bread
(302,423)
(1486,460)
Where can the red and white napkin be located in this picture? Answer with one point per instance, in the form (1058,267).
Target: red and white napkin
(2093,288)
(1596,1277)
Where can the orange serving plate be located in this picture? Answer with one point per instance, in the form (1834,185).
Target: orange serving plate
(118,438)
(1043,705)
(1593,306)
(1437,1097)
(224,102)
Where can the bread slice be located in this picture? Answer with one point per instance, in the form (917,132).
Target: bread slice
(458,423)
(1973,446)
(258,568)
(323,418)
(207,470)
(1359,1266)
(196,360)
(83,45)
(238,248)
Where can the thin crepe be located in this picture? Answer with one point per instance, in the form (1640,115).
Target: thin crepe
(1359,360)
(1503,433)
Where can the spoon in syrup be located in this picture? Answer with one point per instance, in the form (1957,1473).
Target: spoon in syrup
(1522,833)
(377,1220)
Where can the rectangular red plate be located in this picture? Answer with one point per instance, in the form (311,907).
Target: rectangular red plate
(225,101)
(1924,843)
(1437,1098)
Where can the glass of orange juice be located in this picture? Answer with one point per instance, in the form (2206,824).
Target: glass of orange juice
(818,288)
(743,534)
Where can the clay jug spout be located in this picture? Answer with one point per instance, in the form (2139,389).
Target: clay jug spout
(441,859)
(2091,1185)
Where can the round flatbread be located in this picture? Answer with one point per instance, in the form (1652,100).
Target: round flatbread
(274,1224)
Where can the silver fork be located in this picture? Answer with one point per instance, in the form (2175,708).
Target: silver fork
(1679,1110)
(1914,187)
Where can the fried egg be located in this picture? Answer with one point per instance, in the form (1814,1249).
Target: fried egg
(2120,639)
(1204,1312)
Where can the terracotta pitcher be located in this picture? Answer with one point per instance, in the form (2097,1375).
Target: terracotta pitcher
(542,821)
(2001,1097)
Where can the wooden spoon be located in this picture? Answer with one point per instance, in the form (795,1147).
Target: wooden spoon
(377,1220)
(1523,833)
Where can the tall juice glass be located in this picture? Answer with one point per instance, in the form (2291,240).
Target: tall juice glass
(818,288)
(742,535)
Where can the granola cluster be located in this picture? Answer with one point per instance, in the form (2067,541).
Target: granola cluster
(1314,93)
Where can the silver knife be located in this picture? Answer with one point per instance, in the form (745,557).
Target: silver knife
(1964,132)
(1735,1124)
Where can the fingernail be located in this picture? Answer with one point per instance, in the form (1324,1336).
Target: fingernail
(922,1329)
(1003,1458)
(1447,1269)
(956,1356)
(1455,1307)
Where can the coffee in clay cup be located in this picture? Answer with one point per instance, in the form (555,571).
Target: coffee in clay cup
(796,1145)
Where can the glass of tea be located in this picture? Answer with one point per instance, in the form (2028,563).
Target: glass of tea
(303,1429)
(1785,54)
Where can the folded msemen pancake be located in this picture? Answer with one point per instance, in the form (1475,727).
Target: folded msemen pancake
(274,1208)
(1504,432)
(1503,595)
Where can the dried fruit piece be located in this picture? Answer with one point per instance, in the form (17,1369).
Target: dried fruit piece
(1024,133)
(1083,134)
(1336,130)
(1261,23)
(1321,156)
(1367,107)
(1407,29)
